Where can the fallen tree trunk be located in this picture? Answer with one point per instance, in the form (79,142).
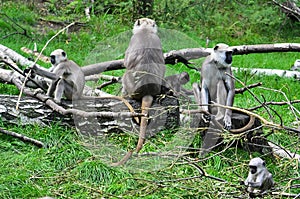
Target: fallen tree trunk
(262,71)
(266,48)
(164,114)
(16,57)
(196,53)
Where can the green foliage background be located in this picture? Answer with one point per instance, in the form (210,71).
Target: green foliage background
(68,169)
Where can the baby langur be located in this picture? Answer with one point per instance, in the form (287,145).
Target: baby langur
(145,70)
(259,177)
(216,86)
(173,85)
(67,77)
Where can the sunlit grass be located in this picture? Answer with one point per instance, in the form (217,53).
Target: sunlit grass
(69,168)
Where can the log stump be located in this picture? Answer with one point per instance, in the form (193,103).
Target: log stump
(164,114)
(250,140)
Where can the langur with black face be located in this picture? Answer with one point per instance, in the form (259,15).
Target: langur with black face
(67,77)
(216,85)
(259,177)
(145,70)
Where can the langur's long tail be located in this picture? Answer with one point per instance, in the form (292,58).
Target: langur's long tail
(146,104)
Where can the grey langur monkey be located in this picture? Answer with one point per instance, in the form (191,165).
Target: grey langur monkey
(173,84)
(145,70)
(216,86)
(259,177)
(67,77)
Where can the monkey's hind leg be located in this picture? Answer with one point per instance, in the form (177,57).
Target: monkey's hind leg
(221,99)
(59,91)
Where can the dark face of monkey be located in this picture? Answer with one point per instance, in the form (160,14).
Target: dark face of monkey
(55,56)
(184,78)
(222,54)
(253,169)
(228,58)
(52,59)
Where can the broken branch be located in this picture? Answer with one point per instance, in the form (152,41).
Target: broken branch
(22,137)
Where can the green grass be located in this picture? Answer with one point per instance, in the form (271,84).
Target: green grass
(69,167)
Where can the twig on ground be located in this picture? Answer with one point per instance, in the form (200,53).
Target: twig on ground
(22,137)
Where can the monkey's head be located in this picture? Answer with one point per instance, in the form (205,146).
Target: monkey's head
(144,24)
(222,54)
(184,78)
(58,56)
(256,165)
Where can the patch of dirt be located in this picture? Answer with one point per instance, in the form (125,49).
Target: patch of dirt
(43,26)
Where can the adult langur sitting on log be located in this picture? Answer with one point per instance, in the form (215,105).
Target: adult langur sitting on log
(217,86)
(145,70)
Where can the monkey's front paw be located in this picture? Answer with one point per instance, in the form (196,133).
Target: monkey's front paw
(206,118)
(242,183)
(37,91)
(57,101)
(27,70)
(227,122)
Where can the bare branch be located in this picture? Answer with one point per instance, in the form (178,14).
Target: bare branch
(242,90)
(274,103)
(17,58)
(22,137)
(290,8)
(24,31)
(263,120)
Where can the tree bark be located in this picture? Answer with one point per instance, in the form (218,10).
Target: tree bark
(266,48)
(16,57)
(281,73)
(164,114)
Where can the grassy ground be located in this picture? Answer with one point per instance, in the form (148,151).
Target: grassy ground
(69,168)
